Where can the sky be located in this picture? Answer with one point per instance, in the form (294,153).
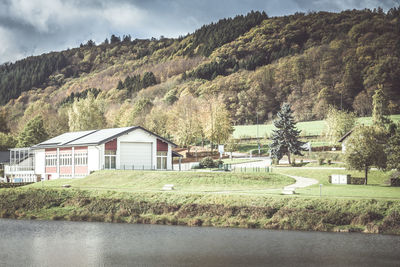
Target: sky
(33,27)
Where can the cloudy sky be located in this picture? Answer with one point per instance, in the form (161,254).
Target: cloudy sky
(32,27)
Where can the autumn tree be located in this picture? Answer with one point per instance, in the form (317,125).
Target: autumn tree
(184,123)
(338,123)
(285,139)
(232,145)
(379,111)
(216,121)
(86,114)
(364,149)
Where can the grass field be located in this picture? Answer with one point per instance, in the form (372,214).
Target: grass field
(377,184)
(308,128)
(188,182)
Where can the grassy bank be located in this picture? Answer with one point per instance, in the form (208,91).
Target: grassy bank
(378,184)
(219,210)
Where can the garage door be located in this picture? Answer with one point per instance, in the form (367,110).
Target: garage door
(137,155)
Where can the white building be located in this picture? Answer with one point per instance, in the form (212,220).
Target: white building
(77,154)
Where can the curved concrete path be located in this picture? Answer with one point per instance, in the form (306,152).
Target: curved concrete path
(301,182)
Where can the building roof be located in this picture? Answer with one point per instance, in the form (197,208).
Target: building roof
(93,137)
(345,136)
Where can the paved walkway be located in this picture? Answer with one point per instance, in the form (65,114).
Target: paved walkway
(301,182)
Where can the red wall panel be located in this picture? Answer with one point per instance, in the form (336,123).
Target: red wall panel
(161,146)
(111,145)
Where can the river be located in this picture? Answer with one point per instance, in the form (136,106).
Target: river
(59,243)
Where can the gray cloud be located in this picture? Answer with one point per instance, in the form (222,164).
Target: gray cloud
(31,27)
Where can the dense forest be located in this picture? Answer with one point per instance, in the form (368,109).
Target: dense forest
(247,65)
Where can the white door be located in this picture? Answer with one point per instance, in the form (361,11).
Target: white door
(136,155)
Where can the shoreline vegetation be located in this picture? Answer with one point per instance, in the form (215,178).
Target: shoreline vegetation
(217,209)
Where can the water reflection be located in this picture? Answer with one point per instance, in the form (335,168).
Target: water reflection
(44,243)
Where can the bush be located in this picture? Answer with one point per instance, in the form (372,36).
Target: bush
(219,163)
(293,163)
(207,162)
(321,161)
(329,162)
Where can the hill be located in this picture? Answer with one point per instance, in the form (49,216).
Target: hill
(247,64)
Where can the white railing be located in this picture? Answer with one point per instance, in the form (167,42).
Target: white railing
(17,168)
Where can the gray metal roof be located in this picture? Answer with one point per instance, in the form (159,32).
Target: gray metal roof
(65,138)
(100,136)
(93,137)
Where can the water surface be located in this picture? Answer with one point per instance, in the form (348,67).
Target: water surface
(58,243)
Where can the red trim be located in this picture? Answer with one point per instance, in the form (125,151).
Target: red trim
(81,148)
(65,149)
(161,146)
(51,169)
(65,169)
(111,145)
(50,150)
(81,169)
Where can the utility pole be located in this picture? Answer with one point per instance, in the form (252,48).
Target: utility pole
(258,140)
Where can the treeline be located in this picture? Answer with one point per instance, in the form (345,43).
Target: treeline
(28,73)
(79,95)
(214,35)
(137,82)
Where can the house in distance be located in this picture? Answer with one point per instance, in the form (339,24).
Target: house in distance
(77,154)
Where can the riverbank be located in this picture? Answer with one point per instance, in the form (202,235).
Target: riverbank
(218,210)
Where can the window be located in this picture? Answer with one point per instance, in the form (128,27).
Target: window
(81,158)
(110,158)
(51,160)
(162,160)
(65,159)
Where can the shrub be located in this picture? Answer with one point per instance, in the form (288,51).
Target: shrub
(207,162)
(321,161)
(329,162)
(293,162)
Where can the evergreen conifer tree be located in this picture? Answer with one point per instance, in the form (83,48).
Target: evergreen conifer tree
(285,140)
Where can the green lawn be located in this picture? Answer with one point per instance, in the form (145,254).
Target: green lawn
(188,182)
(308,128)
(377,183)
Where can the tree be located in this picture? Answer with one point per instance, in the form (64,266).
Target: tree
(7,141)
(379,108)
(148,79)
(393,150)
(33,133)
(216,121)
(365,148)
(338,123)
(86,114)
(285,140)
(3,122)
(231,145)
(184,122)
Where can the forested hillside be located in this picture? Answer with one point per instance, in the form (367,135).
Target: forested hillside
(230,70)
